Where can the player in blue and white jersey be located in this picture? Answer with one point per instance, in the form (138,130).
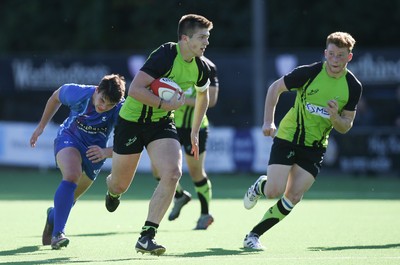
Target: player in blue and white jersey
(80,147)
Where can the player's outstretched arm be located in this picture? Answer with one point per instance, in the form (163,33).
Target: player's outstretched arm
(52,106)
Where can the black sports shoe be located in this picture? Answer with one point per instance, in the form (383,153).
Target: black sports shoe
(147,244)
(112,202)
(48,229)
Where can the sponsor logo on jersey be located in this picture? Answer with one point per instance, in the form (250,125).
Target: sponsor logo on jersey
(91,129)
(317,110)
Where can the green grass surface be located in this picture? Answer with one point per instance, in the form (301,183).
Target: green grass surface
(342,220)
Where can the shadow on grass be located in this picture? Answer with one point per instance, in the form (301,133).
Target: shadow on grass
(27,250)
(71,260)
(20,250)
(64,260)
(98,234)
(104,234)
(386,246)
(38,262)
(215,252)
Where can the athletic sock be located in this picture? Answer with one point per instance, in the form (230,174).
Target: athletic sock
(114,195)
(63,202)
(261,186)
(50,217)
(179,191)
(274,215)
(149,229)
(204,192)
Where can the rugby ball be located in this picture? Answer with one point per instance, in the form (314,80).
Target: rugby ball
(165,88)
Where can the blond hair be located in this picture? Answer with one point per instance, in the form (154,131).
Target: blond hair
(341,39)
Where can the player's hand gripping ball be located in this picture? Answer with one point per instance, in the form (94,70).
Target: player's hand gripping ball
(165,88)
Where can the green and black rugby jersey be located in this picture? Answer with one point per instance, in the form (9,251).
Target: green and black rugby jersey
(166,61)
(308,123)
(184,115)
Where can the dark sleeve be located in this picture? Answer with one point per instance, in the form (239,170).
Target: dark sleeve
(355,91)
(301,75)
(204,72)
(160,60)
(213,72)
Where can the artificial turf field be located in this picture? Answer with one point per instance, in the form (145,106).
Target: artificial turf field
(341,220)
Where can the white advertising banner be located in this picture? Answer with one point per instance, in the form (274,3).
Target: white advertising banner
(229,150)
(16,150)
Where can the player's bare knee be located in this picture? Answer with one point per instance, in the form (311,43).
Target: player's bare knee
(74,178)
(176,175)
(172,175)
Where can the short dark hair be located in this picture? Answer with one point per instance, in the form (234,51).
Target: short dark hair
(113,87)
(190,22)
